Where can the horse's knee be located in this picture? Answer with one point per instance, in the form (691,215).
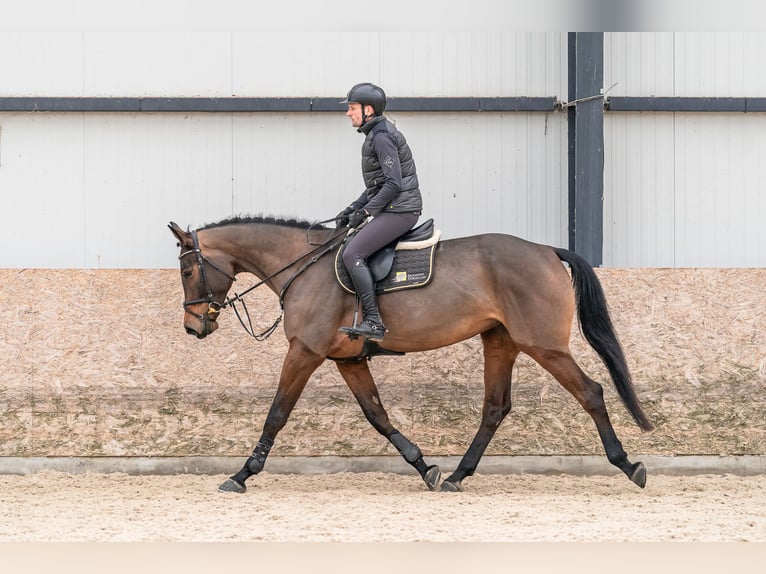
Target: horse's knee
(376,415)
(494,414)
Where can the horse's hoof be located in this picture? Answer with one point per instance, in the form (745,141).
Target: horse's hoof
(432,477)
(449,486)
(232,485)
(638,474)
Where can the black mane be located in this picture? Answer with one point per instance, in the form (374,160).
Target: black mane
(242,219)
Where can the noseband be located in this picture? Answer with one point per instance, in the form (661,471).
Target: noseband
(213,307)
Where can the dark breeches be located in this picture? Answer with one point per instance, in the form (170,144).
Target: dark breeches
(379,232)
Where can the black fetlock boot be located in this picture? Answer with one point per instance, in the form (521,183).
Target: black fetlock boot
(371,327)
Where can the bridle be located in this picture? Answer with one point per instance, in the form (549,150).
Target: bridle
(214,307)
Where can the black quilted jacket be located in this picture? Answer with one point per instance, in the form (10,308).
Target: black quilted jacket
(388,170)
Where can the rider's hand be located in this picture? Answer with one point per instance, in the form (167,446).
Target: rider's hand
(341,220)
(356,218)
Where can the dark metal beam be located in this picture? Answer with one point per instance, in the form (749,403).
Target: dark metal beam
(64,104)
(678,104)
(234,104)
(225,105)
(511,104)
(478,104)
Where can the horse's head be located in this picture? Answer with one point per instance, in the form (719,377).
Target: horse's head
(205,284)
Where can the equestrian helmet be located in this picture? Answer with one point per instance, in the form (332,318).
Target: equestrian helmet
(367,94)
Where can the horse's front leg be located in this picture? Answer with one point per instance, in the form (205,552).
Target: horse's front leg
(359,379)
(300,362)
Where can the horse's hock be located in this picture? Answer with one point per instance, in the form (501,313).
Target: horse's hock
(97,363)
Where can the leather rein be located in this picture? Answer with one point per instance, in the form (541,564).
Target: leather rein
(214,307)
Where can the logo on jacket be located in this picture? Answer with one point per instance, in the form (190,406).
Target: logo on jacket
(389,161)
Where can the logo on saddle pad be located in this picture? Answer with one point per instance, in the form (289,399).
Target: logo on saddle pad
(401,265)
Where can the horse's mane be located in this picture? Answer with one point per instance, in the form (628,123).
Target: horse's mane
(269,220)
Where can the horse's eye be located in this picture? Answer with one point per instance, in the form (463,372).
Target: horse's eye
(186,273)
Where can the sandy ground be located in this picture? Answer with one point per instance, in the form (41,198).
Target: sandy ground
(380,507)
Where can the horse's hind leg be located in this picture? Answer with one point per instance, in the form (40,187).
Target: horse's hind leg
(359,379)
(591,396)
(499,355)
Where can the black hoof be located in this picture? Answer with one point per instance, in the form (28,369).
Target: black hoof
(638,474)
(448,486)
(432,477)
(232,485)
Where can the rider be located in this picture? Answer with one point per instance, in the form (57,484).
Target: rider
(392,198)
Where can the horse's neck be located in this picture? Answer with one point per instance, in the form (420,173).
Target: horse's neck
(263,250)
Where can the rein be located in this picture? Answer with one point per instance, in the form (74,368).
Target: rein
(214,308)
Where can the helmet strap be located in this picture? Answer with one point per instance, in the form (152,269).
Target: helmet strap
(365,117)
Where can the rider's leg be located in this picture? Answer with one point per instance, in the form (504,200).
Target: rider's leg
(379,232)
(371,327)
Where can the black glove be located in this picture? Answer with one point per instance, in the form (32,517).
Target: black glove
(341,220)
(356,218)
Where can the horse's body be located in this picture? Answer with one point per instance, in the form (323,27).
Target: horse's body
(515,294)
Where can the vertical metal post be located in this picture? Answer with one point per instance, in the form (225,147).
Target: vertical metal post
(586,145)
(571,132)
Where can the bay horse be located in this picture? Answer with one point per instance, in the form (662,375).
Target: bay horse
(515,294)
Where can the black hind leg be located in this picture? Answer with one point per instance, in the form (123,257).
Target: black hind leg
(591,396)
(499,356)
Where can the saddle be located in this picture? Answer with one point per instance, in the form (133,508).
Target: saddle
(405,263)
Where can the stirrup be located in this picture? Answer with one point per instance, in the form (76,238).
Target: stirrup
(368,330)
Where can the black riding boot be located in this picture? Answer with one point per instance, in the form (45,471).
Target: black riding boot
(371,327)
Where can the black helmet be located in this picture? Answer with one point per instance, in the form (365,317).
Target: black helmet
(367,94)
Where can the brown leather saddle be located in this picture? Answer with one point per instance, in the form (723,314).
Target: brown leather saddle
(405,263)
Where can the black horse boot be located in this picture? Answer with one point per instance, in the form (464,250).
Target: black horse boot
(371,327)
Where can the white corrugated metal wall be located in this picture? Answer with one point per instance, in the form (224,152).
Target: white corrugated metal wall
(101,187)
(97,189)
(684,189)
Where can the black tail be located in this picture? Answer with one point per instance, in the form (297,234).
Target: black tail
(597,328)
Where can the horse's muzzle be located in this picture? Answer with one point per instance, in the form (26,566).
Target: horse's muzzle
(200,328)
(191,331)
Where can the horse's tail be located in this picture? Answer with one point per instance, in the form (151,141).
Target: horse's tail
(596,326)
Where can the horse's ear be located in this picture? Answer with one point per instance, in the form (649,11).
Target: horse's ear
(183,237)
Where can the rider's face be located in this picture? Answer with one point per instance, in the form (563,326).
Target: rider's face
(354,113)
